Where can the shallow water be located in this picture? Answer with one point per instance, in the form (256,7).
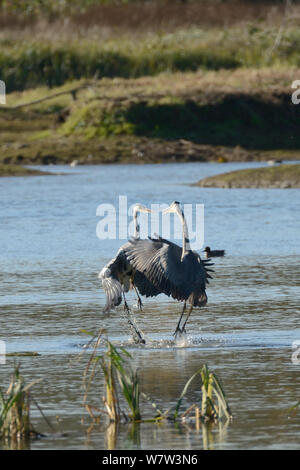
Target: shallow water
(49,291)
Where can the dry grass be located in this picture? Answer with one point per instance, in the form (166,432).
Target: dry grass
(139,16)
(167,16)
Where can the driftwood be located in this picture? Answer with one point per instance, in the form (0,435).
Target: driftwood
(72,91)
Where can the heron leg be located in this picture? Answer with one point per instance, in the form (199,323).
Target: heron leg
(187,317)
(139,301)
(178,329)
(137,336)
(126,307)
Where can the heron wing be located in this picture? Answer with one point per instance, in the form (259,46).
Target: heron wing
(145,287)
(113,292)
(119,271)
(160,261)
(200,271)
(110,277)
(203,263)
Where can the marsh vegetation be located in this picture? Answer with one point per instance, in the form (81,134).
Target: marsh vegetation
(122,380)
(168,82)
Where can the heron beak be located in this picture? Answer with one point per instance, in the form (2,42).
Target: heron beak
(140,208)
(174,207)
(167,210)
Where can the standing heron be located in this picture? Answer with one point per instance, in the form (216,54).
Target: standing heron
(175,271)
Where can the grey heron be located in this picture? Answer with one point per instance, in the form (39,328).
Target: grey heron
(175,271)
(118,275)
(213,253)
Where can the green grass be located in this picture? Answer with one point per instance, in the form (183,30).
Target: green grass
(27,63)
(15,422)
(34,64)
(250,121)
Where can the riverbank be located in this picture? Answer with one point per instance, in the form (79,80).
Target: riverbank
(17,170)
(240,115)
(281,176)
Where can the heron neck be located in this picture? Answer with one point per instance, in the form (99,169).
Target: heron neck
(185,234)
(136,225)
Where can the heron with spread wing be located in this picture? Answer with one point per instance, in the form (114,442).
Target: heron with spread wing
(119,276)
(175,271)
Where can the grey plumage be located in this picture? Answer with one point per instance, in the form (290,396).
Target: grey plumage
(157,266)
(175,271)
(115,274)
(160,262)
(119,276)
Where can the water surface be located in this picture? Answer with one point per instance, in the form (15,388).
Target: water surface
(50,258)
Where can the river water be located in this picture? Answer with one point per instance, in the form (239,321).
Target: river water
(49,292)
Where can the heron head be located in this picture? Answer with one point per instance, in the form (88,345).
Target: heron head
(140,208)
(172,208)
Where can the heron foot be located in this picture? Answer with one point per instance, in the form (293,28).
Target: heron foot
(126,308)
(140,304)
(139,340)
(179,331)
(136,335)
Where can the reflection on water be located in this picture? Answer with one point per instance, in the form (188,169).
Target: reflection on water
(130,436)
(16,444)
(49,291)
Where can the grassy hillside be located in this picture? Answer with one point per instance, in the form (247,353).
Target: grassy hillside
(27,62)
(134,39)
(169,81)
(200,116)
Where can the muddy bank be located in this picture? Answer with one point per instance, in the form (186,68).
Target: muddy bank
(127,149)
(202,116)
(282,176)
(17,170)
